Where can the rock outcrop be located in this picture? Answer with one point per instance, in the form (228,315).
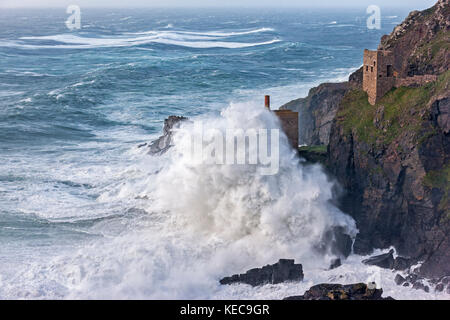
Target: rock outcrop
(385,261)
(423,41)
(359,291)
(163,143)
(393,158)
(317,111)
(282,271)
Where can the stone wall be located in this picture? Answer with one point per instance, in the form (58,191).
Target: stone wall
(415,81)
(369,74)
(378,74)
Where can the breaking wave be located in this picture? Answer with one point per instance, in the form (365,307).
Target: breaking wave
(197,223)
(191,39)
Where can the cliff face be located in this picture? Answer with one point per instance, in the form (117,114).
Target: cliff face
(318,110)
(423,41)
(393,158)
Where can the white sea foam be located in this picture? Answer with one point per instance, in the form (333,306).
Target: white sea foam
(202,222)
(216,39)
(196,224)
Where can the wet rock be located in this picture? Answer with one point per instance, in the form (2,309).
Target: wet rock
(420,286)
(282,271)
(399,280)
(163,143)
(412,278)
(383,260)
(401,263)
(336,263)
(445,280)
(359,291)
(439,287)
(338,241)
(385,180)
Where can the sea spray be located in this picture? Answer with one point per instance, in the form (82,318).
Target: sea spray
(202,222)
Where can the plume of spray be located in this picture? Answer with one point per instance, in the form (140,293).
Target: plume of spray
(260,218)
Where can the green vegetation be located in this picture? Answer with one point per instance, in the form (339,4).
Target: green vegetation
(400,112)
(441,42)
(440,179)
(314,153)
(321,149)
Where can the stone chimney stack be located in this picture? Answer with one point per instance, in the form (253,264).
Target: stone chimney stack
(267,102)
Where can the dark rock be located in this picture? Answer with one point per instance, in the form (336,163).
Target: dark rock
(163,143)
(383,260)
(282,271)
(399,280)
(356,78)
(395,187)
(418,285)
(402,263)
(337,241)
(412,278)
(336,263)
(445,280)
(317,111)
(406,284)
(418,31)
(439,287)
(359,291)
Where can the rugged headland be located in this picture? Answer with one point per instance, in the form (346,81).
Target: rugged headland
(392,158)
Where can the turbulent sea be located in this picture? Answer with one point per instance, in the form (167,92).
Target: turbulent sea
(85,213)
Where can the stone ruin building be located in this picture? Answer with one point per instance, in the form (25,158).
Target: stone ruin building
(380,76)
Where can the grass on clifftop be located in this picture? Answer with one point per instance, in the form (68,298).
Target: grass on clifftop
(398,111)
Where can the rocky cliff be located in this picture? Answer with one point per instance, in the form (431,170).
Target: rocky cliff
(317,111)
(423,41)
(393,158)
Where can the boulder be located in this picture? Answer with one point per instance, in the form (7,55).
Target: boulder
(383,260)
(282,271)
(359,291)
(439,287)
(399,280)
(163,143)
(418,285)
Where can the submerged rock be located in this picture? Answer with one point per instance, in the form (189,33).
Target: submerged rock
(383,260)
(358,291)
(163,143)
(282,271)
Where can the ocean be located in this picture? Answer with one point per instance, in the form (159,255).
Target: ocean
(86,214)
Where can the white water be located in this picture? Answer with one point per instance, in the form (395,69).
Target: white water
(194,224)
(172,37)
